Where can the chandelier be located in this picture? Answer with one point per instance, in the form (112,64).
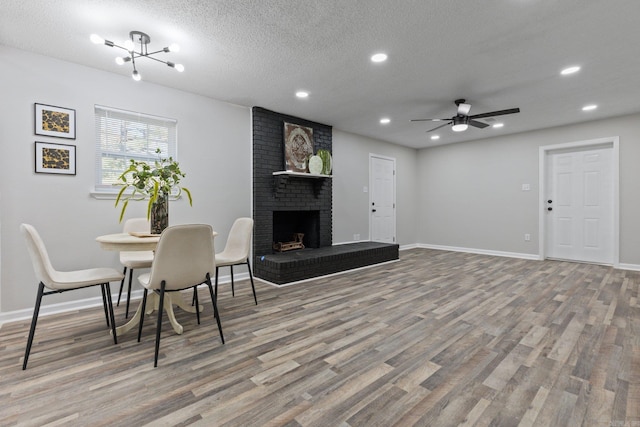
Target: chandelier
(138,38)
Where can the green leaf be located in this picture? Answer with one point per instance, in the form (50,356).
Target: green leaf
(124,208)
(186,190)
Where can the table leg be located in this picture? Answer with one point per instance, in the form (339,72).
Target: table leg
(121,330)
(153,301)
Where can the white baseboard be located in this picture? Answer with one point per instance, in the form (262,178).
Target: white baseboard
(534,257)
(631,267)
(49,309)
(407,247)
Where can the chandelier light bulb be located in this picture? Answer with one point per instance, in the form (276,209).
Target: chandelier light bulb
(174,47)
(119,60)
(136,75)
(179,67)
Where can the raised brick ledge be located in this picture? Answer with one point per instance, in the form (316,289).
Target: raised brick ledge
(303,264)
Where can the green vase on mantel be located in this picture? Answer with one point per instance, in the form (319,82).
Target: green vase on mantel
(325,155)
(160,214)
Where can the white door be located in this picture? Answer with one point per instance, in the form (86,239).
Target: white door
(382,198)
(579,205)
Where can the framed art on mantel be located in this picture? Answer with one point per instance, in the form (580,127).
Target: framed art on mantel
(55,158)
(55,121)
(298,146)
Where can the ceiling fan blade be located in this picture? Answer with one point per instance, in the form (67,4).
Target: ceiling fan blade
(478,124)
(438,127)
(429,120)
(495,113)
(463,109)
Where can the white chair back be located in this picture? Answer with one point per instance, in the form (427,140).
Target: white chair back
(183,257)
(137,224)
(239,241)
(42,267)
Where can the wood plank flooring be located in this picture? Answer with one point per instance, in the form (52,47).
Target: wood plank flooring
(436,339)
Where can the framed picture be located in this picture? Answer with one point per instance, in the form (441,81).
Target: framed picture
(298,146)
(55,158)
(55,121)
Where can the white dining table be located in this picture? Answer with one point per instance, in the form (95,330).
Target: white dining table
(146,242)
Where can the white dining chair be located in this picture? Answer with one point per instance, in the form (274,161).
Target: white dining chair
(132,260)
(236,252)
(62,281)
(184,259)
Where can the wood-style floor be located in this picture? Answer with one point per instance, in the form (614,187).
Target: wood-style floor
(436,339)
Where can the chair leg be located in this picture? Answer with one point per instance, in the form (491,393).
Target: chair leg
(32,330)
(124,272)
(216,315)
(126,313)
(159,327)
(113,320)
(195,295)
(217,269)
(144,308)
(233,292)
(104,304)
(255,298)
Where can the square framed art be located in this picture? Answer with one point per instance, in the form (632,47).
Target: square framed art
(298,146)
(55,158)
(55,121)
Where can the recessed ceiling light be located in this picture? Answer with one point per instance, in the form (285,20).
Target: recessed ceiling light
(435,137)
(379,57)
(302,94)
(570,70)
(385,120)
(589,107)
(498,125)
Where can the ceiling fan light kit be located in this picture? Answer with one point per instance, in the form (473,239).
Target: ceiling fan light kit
(460,124)
(462,120)
(143,40)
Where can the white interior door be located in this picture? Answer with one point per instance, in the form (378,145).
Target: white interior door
(579,205)
(382,199)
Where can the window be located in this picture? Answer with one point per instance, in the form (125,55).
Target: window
(123,135)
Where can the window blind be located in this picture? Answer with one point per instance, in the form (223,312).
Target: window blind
(123,135)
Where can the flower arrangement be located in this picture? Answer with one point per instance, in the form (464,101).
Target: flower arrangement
(153,181)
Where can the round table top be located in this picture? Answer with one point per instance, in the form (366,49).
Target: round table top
(129,242)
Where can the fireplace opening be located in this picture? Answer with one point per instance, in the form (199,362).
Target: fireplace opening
(288,224)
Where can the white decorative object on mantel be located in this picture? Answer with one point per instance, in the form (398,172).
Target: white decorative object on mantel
(315,165)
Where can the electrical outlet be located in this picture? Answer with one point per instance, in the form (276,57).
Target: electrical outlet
(527,237)
(356,237)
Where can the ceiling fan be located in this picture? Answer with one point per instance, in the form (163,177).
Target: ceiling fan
(462,119)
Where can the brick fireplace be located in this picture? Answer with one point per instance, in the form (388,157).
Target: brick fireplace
(284,205)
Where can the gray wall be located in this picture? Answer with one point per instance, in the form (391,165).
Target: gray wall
(470,194)
(351,173)
(214,149)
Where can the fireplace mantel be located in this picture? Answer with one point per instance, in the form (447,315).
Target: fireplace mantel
(301,174)
(281,180)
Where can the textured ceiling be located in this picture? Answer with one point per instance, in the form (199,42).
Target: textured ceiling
(497,54)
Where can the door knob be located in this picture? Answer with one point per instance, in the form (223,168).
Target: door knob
(373,210)
(549,201)
(549,208)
